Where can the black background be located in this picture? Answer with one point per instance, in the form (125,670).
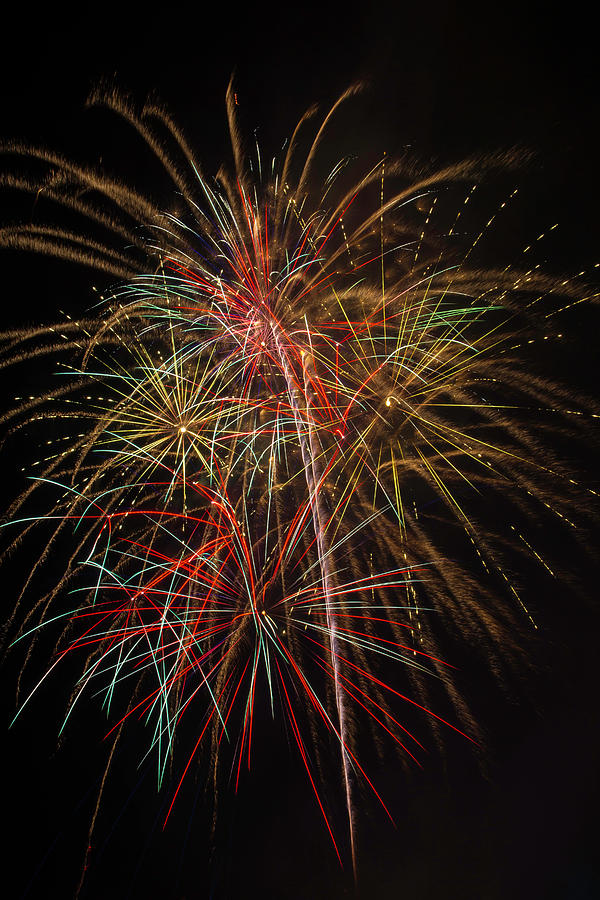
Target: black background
(447,80)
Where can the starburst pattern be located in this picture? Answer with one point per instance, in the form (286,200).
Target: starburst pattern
(269,444)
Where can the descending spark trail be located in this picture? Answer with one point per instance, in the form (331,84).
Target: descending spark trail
(310,457)
(288,452)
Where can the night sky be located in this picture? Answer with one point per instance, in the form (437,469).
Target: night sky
(514,821)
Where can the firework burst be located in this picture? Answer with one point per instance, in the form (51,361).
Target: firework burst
(260,440)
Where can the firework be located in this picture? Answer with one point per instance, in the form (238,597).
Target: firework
(266,447)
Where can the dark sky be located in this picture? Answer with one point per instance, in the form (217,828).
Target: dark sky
(447,80)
